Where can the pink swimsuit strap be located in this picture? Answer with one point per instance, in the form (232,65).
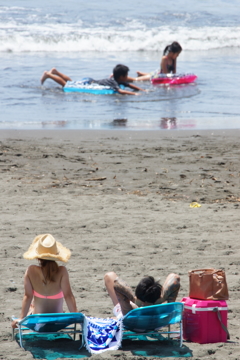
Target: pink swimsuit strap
(57,296)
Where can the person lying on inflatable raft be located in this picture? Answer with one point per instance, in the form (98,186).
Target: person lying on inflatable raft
(120,76)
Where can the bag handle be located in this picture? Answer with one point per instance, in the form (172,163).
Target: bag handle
(212,271)
(220,319)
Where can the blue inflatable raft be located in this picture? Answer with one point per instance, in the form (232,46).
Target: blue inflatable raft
(84,86)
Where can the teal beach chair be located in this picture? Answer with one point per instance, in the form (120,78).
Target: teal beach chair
(150,320)
(50,324)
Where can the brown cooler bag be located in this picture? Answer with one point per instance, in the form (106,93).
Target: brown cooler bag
(208,284)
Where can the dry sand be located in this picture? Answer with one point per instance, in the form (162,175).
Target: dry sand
(120,201)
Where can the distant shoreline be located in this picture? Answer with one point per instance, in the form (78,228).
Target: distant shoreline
(77,134)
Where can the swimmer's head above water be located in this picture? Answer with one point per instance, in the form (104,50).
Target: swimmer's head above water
(174,49)
(120,72)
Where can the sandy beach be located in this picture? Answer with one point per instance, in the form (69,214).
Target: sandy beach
(120,201)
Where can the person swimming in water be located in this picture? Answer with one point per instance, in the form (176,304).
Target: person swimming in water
(168,63)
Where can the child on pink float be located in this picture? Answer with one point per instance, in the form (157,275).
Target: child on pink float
(168,63)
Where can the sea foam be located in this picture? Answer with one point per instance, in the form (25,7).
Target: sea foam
(133,36)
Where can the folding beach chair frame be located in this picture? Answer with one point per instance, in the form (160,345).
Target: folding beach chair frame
(164,309)
(70,329)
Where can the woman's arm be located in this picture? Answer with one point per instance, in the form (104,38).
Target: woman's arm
(163,66)
(67,291)
(174,66)
(27,298)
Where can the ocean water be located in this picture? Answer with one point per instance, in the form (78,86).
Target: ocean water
(89,38)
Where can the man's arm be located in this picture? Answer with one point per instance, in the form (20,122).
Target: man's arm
(123,288)
(126,92)
(134,87)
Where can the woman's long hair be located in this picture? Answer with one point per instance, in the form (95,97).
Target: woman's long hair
(51,269)
(175,48)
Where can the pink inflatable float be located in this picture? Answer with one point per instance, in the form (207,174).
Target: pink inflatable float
(173,79)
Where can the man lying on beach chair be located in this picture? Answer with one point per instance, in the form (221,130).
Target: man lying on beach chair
(148,292)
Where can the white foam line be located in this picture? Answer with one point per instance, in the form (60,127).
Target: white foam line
(51,37)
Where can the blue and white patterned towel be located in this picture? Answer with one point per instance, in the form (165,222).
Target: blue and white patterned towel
(102,334)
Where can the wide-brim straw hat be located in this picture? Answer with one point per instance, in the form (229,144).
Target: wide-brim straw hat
(47,248)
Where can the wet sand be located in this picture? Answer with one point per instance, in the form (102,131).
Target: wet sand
(120,201)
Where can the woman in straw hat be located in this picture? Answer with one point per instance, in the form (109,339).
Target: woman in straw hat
(47,284)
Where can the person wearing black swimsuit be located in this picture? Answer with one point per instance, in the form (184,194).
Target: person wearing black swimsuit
(169,59)
(168,63)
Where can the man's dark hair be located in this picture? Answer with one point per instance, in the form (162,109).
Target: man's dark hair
(120,70)
(148,290)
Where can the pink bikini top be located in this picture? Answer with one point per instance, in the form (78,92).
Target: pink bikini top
(57,296)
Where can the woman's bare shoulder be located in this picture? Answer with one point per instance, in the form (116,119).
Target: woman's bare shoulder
(164,58)
(32,270)
(62,269)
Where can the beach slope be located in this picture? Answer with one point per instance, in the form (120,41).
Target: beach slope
(120,201)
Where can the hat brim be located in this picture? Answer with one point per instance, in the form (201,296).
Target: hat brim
(63,255)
